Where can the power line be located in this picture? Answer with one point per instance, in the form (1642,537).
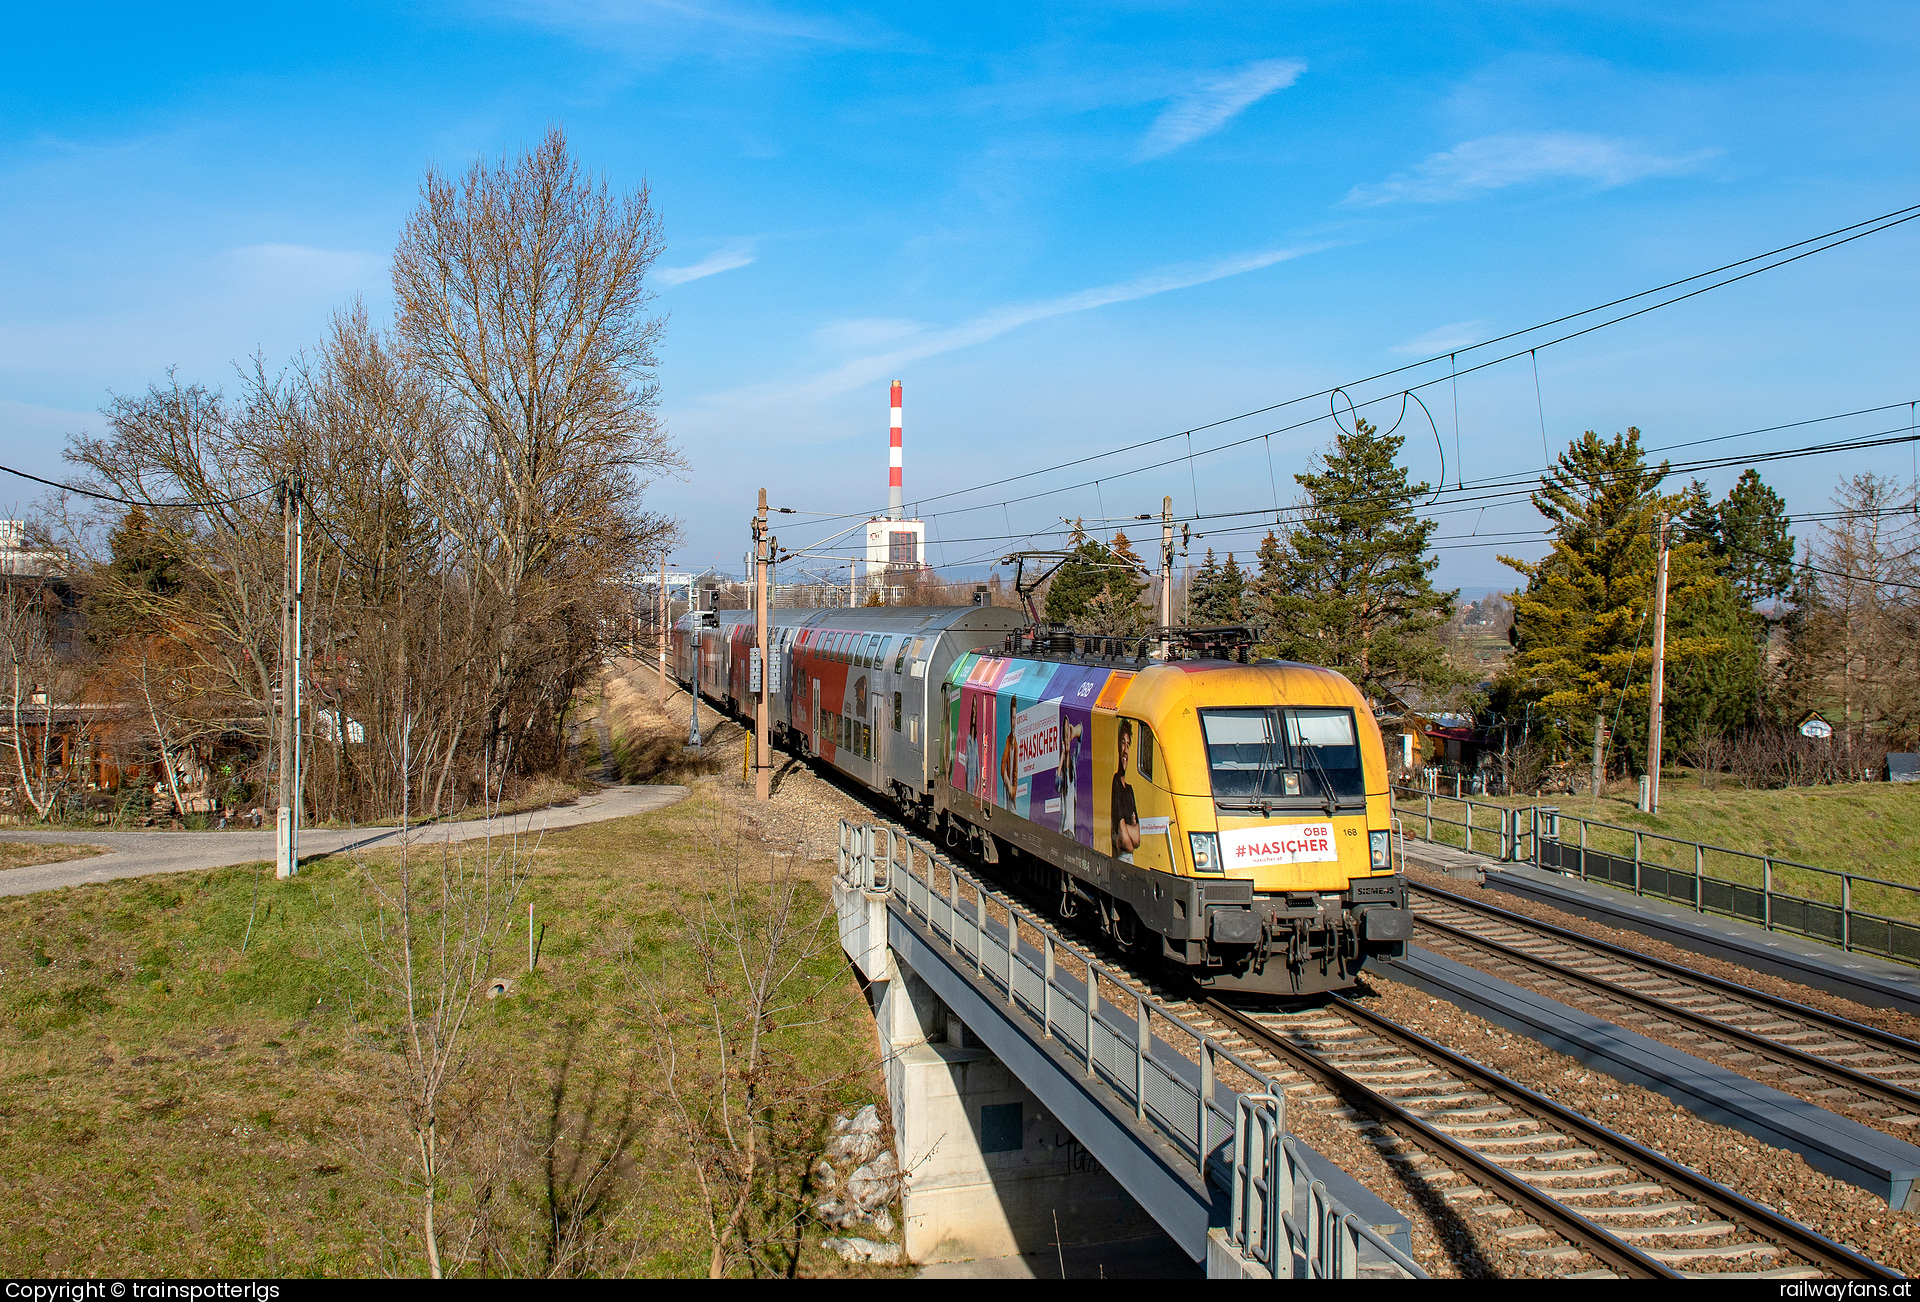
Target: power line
(129,501)
(1828,240)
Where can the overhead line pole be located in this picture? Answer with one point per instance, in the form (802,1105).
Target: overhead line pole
(1166,569)
(1657,705)
(665,609)
(762,557)
(286,827)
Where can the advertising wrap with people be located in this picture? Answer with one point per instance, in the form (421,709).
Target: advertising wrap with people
(1050,743)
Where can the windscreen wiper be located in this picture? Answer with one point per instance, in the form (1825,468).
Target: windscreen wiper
(1332,802)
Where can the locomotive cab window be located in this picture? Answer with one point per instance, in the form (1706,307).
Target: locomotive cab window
(1145,764)
(1281,755)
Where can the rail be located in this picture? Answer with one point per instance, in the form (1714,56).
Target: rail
(1857,912)
(1177,1094)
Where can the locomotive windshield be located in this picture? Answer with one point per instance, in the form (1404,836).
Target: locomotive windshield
(1279,754)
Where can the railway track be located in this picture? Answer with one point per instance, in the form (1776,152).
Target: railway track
(1829,1060)
(1574,1195)
(1580,1198)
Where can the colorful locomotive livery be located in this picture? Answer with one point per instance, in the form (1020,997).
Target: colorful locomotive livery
(1232,817)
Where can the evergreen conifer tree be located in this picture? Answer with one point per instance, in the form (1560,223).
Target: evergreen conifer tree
(1230,596)
(1583,625)
(1349,587)
(1752,536)
(1202,591)
(1098,591)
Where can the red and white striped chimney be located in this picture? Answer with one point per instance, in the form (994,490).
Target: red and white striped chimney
(896,499)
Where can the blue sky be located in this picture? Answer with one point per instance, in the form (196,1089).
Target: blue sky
(1065,228)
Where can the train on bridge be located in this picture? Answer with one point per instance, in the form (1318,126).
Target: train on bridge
(1231,817)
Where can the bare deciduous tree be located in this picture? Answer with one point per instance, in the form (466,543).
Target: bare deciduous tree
(521,296)
(764,951)
(427,955)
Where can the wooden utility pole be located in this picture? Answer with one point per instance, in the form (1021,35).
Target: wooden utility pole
(1166,568)
(1658,704)
(762,556)
(1599,750)
(666,616)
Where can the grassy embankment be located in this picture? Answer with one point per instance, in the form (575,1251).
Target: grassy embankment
(1872,829)
(182,1098)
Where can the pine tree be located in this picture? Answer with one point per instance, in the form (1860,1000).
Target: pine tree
(1098,590)
(1583,626)
(124,596)
(1203,591)
(1752,536)
(1230,597)
(1349,587)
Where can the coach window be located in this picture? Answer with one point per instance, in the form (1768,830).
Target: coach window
(880,661)
(896,712)
(873,652)
(900,658)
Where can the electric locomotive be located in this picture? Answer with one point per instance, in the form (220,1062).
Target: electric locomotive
(1232,818)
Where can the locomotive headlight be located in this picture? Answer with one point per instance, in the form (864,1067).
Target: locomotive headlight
(1206,852)
(1380,844)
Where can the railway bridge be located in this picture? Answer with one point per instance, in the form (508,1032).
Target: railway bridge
(1040,1101)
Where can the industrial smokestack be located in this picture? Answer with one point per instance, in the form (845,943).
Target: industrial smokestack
(896,500)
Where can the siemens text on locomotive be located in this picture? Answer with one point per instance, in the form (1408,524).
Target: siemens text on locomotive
(1232,818)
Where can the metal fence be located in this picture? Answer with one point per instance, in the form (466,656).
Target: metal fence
(1157,1064)
(1854,911)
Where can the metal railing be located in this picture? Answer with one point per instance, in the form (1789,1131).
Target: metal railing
(1176,1093)
(1857,912)
(1322,1237)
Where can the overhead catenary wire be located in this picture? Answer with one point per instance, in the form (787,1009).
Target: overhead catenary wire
(1522,486)
(1806,248)
(133,501)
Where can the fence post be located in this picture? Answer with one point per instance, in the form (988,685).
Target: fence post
(1699,878)
(1429,799)
(1013,944)
(1140,1058)
(1583,849)
(1093,1005)
(953,907)
(1469,818)
(1636,861)
(1046,989)
(979,929)
(1766,892)
(1203,1132)
(1846,912)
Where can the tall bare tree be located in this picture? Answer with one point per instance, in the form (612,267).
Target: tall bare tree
(521,299)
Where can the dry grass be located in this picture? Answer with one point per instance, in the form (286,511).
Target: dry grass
(19,854)
(1871,828)
(173,1105)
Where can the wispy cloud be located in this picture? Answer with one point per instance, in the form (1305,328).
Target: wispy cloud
(301,268)
(730,257)
(1496,162)
(1443,339)
(1204,108)
(866,332)
(622,21)
(992,324)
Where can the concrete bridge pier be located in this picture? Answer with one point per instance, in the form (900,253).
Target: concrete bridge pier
(987,1170)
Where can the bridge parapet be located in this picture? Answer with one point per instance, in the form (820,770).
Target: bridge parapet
(1192,1131)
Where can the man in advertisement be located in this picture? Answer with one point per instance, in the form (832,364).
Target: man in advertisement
(1123,812)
